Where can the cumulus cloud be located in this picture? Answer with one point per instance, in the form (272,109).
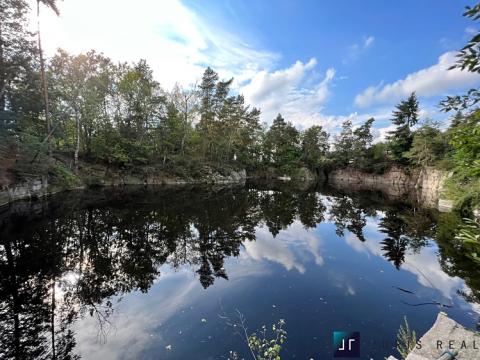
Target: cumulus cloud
(174,39)
(134,324)
(297,92)
(178,43)
(266,247)
(288,248)
(432,81)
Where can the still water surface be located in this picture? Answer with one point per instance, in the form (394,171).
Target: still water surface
(163,273)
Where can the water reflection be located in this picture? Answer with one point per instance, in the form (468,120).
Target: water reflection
(75,255)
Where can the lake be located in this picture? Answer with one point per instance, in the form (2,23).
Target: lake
(167,273)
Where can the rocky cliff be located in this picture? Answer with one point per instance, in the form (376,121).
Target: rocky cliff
(422,186)
(101,176)
(29,189)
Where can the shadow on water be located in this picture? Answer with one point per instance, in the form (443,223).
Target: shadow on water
(66,258)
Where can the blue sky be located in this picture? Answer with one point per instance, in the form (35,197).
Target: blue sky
(317,62)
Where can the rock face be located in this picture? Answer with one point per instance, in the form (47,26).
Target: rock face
(102,176)
(423,186)
(150,176)
(429,185)
(446,334)
(30,189)
(230,177)
(306,175)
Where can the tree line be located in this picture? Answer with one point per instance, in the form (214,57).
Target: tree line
(86,107)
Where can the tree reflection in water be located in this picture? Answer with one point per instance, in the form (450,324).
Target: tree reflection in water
(67,258)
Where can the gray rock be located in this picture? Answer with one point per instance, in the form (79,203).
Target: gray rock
(445,205)
(449,333)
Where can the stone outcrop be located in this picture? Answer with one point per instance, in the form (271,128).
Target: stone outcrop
(30,189)
(429,185)
(102,176)
(423,186)
(446,340)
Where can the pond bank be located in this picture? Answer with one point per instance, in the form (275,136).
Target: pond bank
(34,188)
(421,186)
(446,331)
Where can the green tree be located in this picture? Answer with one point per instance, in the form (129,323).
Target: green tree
(343,145)
(81,86)
(428,146)
(206,126)
(362,142)
(465,140)
(282,144)
(170,130)
(52,4)
(404,117)
(186,102)
(140,106)
(314,146)
(19,86)
(467,58)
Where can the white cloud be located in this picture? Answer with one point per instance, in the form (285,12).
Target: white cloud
(175,41)
(368,41)
(178,43)
(432,81)
(380,134)
(354,51)
(134,326)
(296,92)
(421,264)
(267,247)
(288,248)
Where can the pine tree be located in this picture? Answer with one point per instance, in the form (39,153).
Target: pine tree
(314,146)
(404,117)
(344,144)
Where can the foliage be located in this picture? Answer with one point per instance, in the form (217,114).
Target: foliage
(353,147)
(429,146)
(404,117)
(465,140)
(406,339)
(314,146)
(379,159)
(344,144)
(19,79)
(464,191)
(281,147)
(362,142)
(468,59)
(469,236)
(118,115)
(265,347)
(64,177)
(469,56)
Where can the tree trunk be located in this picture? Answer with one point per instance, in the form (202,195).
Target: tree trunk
(43,79)
(77,147)
(52,319)
(3,75)
(15,299)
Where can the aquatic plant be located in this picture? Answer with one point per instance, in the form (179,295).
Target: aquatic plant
(406,339)
(469,236)
(263,344)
